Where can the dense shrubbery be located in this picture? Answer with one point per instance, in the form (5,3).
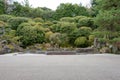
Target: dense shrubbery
(63,33)
(31,33)
(63,27)
(5,18)
(16,21)
(70,25)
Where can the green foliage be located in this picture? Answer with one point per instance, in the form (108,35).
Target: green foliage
(20,10)
(2,7)
(64,40)
(58,39)
(69,25)
(86,21)
(105,34)
(81,42)
(4,27)
(30,34)
(69,10)
(67,19)
(77,18)
(11,37)
(91,39)
(16,21)
(85,31)
(25,10)
(47,35)
(86,28)
(5,18)
(38,20)
(63,27)
(108,20)
(47,24)
(94,8)
(73,35)
(108,17)
(98,34)
(108,5)
(102,40)
(116,39)
(55,39)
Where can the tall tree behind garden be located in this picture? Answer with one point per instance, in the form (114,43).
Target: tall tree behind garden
(2,7)
(70,10)
(5,6)
(94,8)
(109,15)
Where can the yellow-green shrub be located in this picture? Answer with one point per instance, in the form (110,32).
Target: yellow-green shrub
(81,42)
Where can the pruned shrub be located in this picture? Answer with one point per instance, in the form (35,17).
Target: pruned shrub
(81,42)
(67,19)
(38,20)
(16,21)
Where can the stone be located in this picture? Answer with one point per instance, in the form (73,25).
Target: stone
(61,52)
(85,50)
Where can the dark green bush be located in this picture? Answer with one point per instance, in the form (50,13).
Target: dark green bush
(16,21)
(30,34)
(86,21)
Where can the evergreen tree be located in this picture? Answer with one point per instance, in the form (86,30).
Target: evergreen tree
(109,15)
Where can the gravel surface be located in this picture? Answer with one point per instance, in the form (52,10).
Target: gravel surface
(59,67)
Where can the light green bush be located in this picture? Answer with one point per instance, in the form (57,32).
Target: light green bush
(91,39)
(38,20)
(81,42)
(30,34)
(67,19)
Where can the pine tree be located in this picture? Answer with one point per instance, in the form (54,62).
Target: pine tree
(109,15)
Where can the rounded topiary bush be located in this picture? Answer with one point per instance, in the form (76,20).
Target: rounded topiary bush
(81,42)
(16,21)
(38,20)
(86,21)
(86,28)
(30,34)
(67,19)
